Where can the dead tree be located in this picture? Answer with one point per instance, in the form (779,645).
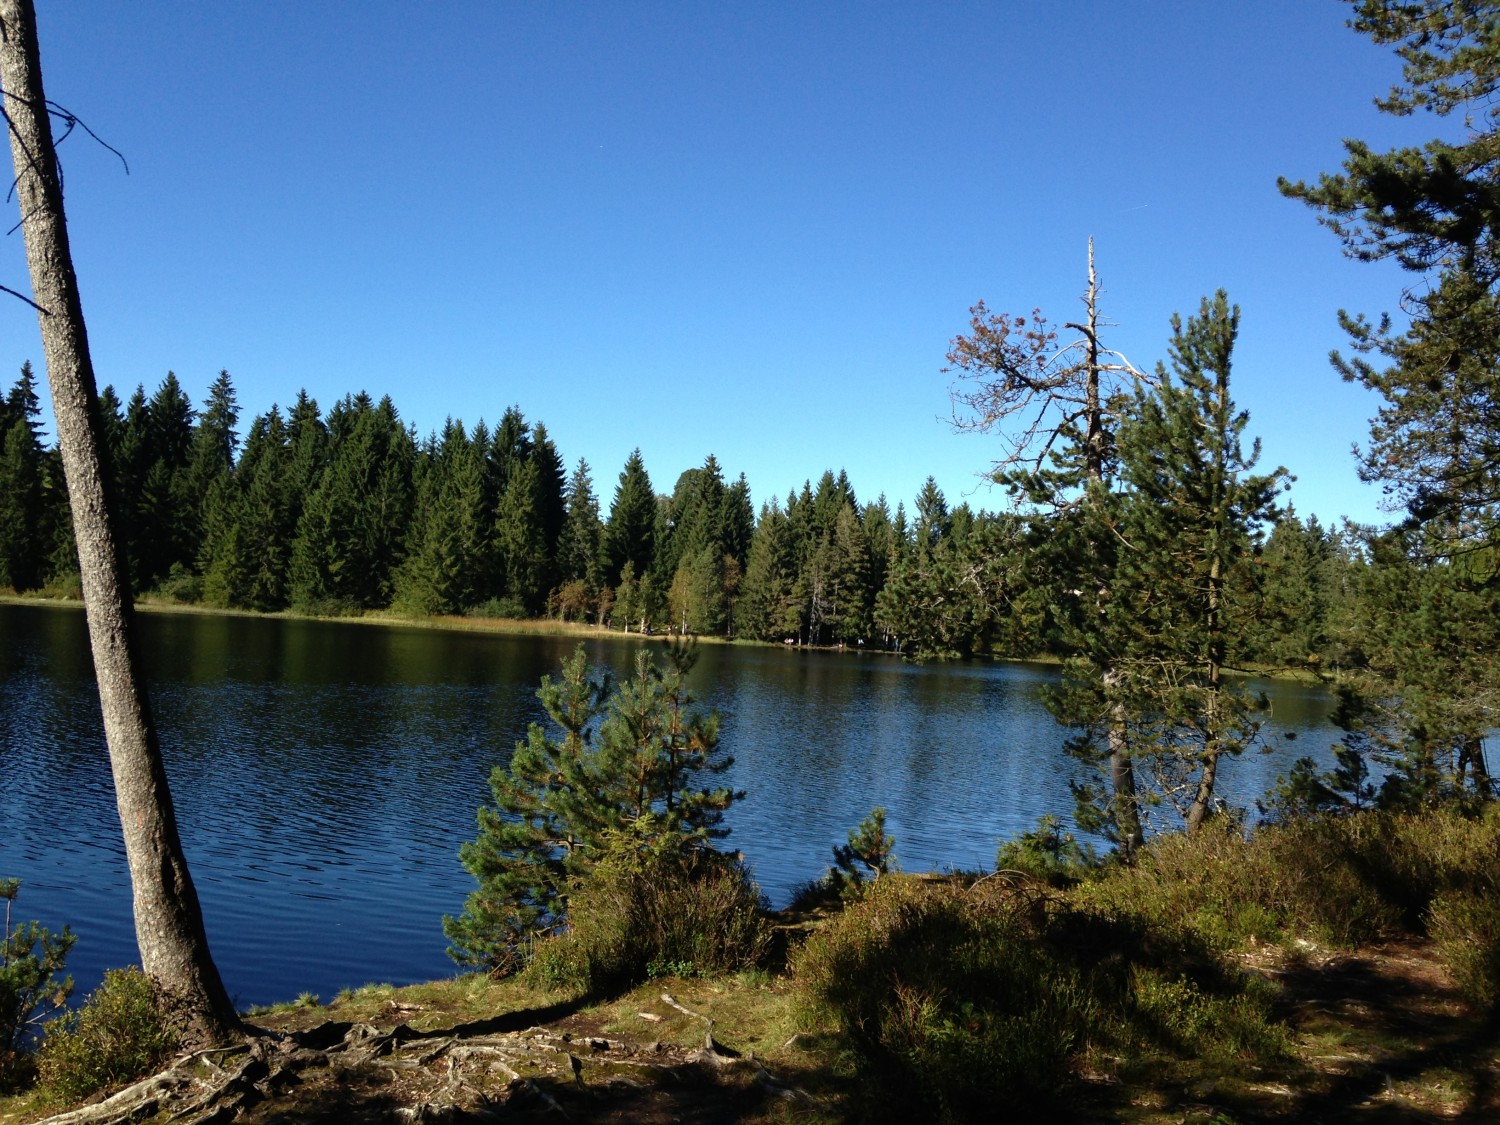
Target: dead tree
(1013,378)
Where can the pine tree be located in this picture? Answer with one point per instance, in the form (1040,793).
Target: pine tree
(545,813)
(1435,441)
(870,851)
(1189,515)
(1430,206)
(1435,210)
(622,758)
(1055,407)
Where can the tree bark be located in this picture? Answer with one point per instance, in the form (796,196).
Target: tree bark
(1125,807)
(168,921)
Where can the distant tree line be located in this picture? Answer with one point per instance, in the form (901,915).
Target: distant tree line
(349,510)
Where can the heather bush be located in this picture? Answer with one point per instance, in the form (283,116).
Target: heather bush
(119,1035)
(953,998)
(647,909)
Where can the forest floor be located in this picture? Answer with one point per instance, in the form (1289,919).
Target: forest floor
(1378,1036)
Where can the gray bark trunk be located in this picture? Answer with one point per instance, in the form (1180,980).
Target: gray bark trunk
(168,921)
(1124,804)
(1213,624)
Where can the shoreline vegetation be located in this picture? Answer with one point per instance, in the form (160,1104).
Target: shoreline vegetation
(550,627)
(1342,968)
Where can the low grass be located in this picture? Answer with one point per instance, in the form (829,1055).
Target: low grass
(1338,970)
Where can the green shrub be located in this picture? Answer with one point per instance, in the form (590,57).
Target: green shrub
(181,586)
(812,894)
(1204,1018)
(956,998)
(1310,878)
(1465,927)
(31,987)
(945,999)
(1047,854)
(65,584)
(118,1036)
(649,909)
(510,609)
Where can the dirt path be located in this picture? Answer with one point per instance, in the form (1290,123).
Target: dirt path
(1386,1038)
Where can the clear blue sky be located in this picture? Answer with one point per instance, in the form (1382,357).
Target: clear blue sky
(747,229)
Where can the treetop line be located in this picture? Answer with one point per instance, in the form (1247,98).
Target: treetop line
(348,511)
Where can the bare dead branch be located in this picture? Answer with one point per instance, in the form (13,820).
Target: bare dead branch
(28,300)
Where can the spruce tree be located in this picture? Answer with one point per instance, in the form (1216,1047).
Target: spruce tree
(768,607)
(166,507)
(579,546)
(432,579)
(738,520)
(880,542)
(1299,582)
(210,486)
(551,502)
(1417,695)
(24,522)
(630,534)
(520,543)
(353,527)
(247,546)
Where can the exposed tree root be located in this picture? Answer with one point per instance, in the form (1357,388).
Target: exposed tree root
(440,1076)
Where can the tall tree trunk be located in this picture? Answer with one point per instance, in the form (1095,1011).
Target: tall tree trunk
(1213,739)
(1125,807)
(168,921)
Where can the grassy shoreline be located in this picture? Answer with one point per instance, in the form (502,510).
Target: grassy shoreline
(547,627)
(1303,973)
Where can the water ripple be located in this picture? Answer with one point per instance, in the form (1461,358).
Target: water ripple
(325,776)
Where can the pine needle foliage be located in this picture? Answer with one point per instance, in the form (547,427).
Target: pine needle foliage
(32,986)
(619,755)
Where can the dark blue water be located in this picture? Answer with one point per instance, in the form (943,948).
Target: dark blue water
(325,775)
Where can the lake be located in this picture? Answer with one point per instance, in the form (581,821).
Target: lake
(325,774)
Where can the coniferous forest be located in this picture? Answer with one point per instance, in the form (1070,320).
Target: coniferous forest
(349,510)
